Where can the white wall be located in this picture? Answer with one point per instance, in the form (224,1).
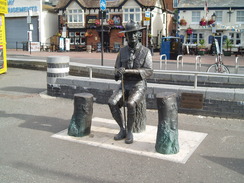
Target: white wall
(49,26)
(157,21)
(225,27)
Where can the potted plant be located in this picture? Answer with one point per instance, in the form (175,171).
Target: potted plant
(183,22)
(227,45)
(88,34)
(203,22)
(110,22)
(189,30)
(201,48)
(211,21)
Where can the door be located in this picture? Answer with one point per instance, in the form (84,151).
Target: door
(16,31)
(219,39)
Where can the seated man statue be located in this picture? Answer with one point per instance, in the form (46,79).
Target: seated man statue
(133,66)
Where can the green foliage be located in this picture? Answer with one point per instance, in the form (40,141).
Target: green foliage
(202,43)
(228,44)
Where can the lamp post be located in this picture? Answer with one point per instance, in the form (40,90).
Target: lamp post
(213,17)
(103,5)
(30,27)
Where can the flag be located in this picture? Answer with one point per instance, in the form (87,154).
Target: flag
(206,8)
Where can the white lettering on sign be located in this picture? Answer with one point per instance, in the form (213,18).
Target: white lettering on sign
(22,9)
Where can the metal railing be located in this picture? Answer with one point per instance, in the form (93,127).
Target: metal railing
(161,60)
(194,73)
(179,59)
(198,62)
(236,65)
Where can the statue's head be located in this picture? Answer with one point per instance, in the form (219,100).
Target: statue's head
(132,30)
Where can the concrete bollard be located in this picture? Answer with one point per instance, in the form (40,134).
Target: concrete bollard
(89,48)
(167,134)
(56,67)
(80,124)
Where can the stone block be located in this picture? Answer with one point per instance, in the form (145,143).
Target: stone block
(218,79)
(239,95)
(218,94)
(178,78)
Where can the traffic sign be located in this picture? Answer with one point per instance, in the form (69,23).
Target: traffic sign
(147,14)
(103,5)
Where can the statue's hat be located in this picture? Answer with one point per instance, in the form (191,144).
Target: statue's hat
(132,26)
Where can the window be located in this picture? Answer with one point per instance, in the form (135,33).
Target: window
(132,14)
(194,38)
(77,38)
(240,16)
(75,16)
(175,3)
(218,16)
(196,16)
(235,38)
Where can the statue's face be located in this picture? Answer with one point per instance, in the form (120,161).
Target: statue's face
(132,38)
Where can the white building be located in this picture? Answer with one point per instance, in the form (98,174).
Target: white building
(42,22)
(229,22)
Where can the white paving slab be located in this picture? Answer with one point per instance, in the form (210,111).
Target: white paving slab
(103,131)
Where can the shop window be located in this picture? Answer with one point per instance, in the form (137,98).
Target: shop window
(196,16)
(75,15)
(77,38)
(240,16)
(194,38)
(235,38)
(132,14)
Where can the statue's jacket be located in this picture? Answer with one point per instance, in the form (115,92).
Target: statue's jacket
(142,65)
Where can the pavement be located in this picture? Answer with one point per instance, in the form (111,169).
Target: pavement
(35,148)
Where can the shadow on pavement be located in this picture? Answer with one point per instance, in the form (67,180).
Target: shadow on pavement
(22,89)
(53,174)
(234,164)
(41,123)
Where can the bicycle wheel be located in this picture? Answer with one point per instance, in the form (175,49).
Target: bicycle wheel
(212,68)
(220,69)
(224,69)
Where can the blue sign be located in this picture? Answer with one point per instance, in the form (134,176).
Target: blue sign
(103,5)
(147,14)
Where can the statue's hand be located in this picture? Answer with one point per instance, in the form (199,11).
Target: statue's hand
(120,71)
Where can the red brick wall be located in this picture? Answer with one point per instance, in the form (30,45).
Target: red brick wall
(94,39)
(114,37)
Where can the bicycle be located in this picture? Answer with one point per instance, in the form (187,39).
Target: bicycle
(219,66)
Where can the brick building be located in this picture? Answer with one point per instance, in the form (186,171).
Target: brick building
(79,21)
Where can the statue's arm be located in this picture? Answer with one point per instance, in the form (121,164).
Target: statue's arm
(146,70)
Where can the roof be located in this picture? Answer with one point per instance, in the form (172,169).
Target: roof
(110,4)
(211,3)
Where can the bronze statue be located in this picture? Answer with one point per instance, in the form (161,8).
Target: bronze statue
(133,66)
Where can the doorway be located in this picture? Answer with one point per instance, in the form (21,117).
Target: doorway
(220,40)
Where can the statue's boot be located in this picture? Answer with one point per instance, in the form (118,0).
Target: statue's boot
(129,138)
(116,113)
(131,118)
(121,135)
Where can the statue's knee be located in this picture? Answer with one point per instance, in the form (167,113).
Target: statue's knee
(131,105)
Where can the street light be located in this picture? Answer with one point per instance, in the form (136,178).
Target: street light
(213,17)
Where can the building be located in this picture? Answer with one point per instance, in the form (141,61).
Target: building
(80,22)
(208,20)
(30,21)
